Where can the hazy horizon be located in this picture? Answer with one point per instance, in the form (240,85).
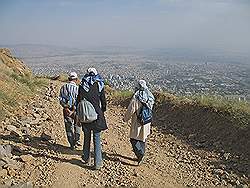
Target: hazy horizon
(195,24)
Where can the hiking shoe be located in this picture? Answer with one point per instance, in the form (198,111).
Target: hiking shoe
(87,162)
(97,167)
(78,144)
(140,160)
(72,148)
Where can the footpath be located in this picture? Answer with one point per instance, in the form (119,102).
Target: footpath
(35,152)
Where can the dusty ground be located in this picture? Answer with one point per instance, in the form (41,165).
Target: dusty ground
(41,157)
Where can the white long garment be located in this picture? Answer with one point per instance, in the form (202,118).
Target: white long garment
(137,131)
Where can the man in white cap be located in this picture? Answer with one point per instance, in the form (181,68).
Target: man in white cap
(67,98)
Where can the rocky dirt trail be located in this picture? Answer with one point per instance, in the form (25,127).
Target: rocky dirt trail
(34,152)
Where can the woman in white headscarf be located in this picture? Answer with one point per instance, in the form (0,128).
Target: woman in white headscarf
(138,132)
(92,89)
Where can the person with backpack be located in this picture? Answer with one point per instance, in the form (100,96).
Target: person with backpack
(90,112)
(67,98)
(140,110)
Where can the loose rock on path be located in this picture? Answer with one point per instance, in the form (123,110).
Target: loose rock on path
(40,155)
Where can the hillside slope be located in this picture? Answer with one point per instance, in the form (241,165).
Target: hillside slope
(15,64)
(190,145)
(16,82)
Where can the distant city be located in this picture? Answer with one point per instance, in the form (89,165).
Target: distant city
(163,72)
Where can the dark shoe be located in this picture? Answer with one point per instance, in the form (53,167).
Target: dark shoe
(87,162)
(72,148)
(140,160)
(78,144)
(98,167)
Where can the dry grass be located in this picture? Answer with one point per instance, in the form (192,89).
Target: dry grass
(237,111)
(16,89)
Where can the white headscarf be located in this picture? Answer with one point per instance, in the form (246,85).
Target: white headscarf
(90,78)
(144,95)
(92,69)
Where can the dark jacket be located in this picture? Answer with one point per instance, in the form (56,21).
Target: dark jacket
(98,100)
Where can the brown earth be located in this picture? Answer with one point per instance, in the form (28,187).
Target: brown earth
(13,63)
(181,151)
(16,82)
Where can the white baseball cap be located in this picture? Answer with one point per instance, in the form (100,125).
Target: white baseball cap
(73,75)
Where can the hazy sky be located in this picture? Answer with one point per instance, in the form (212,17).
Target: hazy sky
(216,24)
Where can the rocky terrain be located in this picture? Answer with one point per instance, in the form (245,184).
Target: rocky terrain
(189,147)
(13,63)
(34,151)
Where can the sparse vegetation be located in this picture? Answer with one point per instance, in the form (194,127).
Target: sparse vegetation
(123,94)
(16,82)
(118,93)
(118,97)
(31,82)
(185,129)
(7,99)
(16,88)
(63,77)
(237,111)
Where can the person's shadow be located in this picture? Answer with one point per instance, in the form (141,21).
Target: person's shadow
(40,143)
(119,158)
(49,145)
